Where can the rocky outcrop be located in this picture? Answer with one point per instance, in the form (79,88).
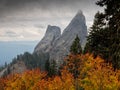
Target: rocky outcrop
(18,67)
(46,44)
(57,45)
(62,45)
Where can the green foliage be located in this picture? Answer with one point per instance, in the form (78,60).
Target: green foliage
(104,37)
(7,72)
(47,66)
(3,66)
(32,60)
(76,46)
(74,64)
(97,39)
(51,68)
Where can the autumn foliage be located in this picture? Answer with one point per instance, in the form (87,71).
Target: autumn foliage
(80,72)
(98,75)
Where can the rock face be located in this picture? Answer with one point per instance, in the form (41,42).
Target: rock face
(62,45)
(57,45)
(45,45)
(18,67)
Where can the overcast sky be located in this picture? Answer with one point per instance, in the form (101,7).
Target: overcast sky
(27,20)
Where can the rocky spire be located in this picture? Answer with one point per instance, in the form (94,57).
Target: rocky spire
(45,45)
(61,47)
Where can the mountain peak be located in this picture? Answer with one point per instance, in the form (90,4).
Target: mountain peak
(78,21)
(79,16)
(80,12)
(58,45)
(52,33)
(61,46)
(53,29)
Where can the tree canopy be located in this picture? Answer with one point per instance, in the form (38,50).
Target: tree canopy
(76,46)
(104,37)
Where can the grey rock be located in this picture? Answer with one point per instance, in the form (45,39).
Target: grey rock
(62,45)
(57,45)
(45,45)
(18,67)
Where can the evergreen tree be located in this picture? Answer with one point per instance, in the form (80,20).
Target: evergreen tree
(5,64)
(47,65)
(112,16)
(76,46)
(104,37)
(97,42)
(7,72)
(51,68)
(73,63)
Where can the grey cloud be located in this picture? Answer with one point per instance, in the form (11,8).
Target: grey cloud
(39,26)
(43,4)
(10,7)
(31,15)
(10,34)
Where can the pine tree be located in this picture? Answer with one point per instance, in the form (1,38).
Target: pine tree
(104,38)
(72,62)
(51,68)
(76,46)
(97,42)
(47,65)
(112,16)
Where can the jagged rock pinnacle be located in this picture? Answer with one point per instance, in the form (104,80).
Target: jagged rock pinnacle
(45,45)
